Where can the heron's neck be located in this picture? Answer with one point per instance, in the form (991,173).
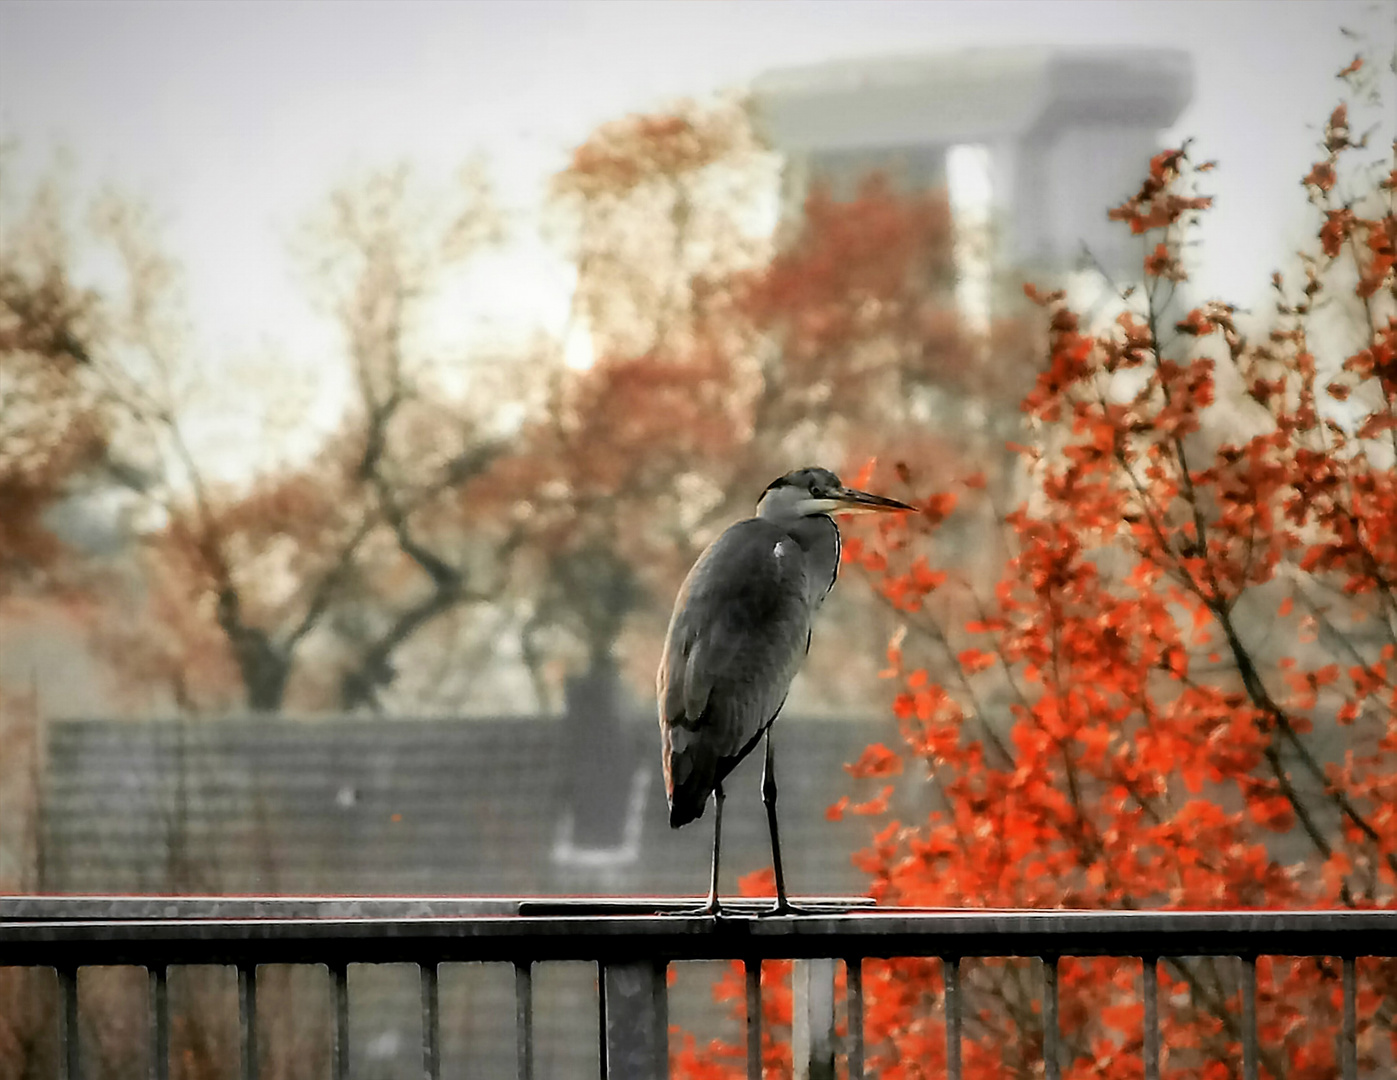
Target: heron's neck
(818,537)
(810,529)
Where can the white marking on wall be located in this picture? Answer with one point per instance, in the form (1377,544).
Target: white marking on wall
(567,853)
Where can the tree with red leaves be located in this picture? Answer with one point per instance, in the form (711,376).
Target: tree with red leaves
(1179,689)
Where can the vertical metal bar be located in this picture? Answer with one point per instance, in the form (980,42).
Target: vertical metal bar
(853,971)
(1249,1047)
(754,1019)
(1150,991)
(661,1015)
(431,1022)
(802,1042)
(339,1055)
(247,1019)
(159,1023)
(524,1019)
(635,1020)
(69,1061)
(812,1020)
(1350,1047)
(1052,1070)
(950,970)
(601,1022)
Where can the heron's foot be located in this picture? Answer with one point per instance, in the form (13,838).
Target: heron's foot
(784,907)
(711,910)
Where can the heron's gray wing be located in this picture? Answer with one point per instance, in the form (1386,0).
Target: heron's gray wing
(735,641)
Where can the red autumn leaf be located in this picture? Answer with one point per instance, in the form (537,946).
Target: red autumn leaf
(757,883)
(877,761)
(936,507)
(1338,225)
(874,806)
(1322,176)
(975,660)
(1274,813)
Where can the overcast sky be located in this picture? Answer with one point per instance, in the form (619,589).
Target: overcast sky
(234,119)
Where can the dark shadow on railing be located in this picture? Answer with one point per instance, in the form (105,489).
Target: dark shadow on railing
(632,942)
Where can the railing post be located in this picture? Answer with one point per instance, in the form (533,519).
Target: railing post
(635,1020)
(812,1023)
(950,967)
(853,972)
(753,971)
(1052,1068)
(1250,1049)
(247,1019)
(69,1061)
(431,1021)
(159,1022)
(1149,972)
(339,1003)
(524,1019)
(1350,1034)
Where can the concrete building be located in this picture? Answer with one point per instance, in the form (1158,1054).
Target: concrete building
(1045,139)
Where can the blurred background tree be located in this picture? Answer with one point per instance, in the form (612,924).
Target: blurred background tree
(298,588)
(52,426)
(539,508)
(719,353)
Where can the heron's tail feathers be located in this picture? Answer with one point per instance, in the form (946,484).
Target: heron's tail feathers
(689,781)
(686,806)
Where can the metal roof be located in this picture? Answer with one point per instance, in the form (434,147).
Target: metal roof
(447,807)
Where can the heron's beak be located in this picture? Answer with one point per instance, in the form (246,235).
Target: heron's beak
(853,501)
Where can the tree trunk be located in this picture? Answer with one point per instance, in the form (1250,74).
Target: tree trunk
(265,670)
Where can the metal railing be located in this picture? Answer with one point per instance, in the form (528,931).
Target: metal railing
(633,942)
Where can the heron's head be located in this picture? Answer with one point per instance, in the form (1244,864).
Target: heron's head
(806,492)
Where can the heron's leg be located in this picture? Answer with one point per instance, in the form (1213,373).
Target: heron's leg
(713,907)
(783,906)
(769,798)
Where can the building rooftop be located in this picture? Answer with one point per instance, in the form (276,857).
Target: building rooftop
(507,806)
(970,95)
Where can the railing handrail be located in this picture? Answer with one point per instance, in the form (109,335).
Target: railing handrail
(888,932)
(58,907)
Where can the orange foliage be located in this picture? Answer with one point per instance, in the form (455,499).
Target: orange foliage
(860,301)
(51,427)
(623,154)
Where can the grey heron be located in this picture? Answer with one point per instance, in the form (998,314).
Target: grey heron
(739,632)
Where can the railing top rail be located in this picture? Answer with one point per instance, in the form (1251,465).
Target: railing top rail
(119,908)
(124,907)
(613,937)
